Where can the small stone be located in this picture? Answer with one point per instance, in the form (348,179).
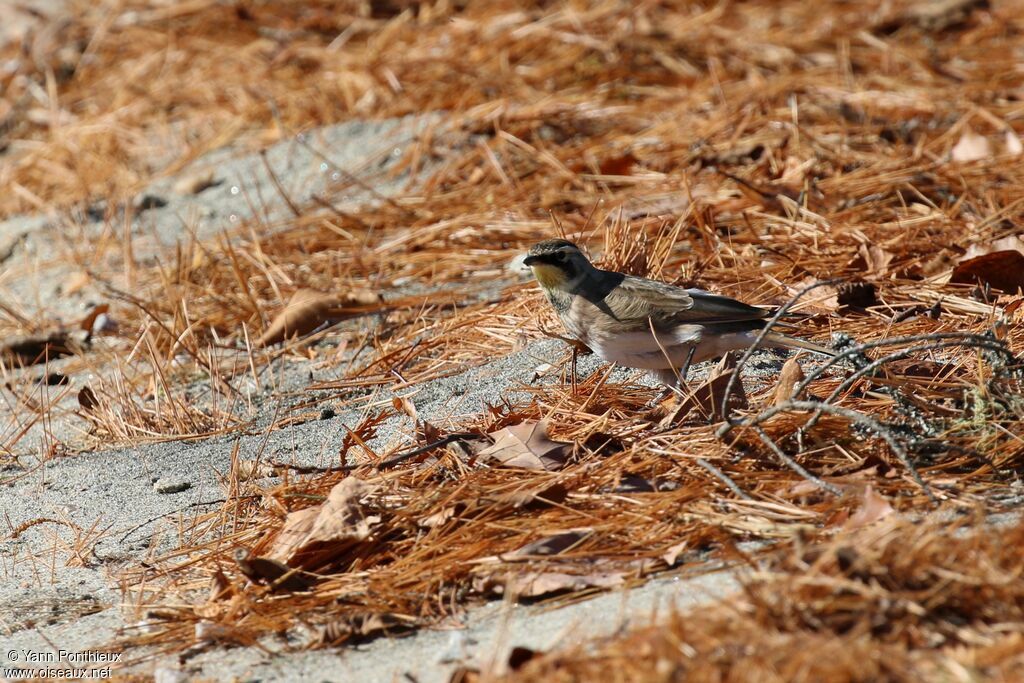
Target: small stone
(327,414)
(150,201)
(164,485)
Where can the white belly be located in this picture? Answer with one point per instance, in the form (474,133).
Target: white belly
(642,350)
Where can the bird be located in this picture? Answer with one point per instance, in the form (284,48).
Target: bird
(641,323)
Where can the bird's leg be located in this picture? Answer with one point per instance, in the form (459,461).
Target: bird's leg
(675,384)
(686,366)
(572,368)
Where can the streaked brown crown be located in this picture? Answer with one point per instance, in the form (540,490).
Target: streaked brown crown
(551,247)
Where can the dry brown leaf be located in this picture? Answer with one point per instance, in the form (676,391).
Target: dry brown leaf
(533,499)
(220,587)
(791,375)
(315,536)
(1003,270)
(549,545)
(938,15)
(873,508)
(872,259)
(705,402)
(87,399)
(266,571)
(438,518)
(622,165)
(362,626)
(971,147)
(526,445)
(404,405)
(671,556)
(89,320)
(1012,143)
(35,349)
(535,584)
(823,299)
(1013,306)
(935,266)
(309,309)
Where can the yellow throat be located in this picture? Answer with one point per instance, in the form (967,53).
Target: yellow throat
(548,276)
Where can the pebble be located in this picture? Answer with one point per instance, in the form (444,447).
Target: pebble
(171,485)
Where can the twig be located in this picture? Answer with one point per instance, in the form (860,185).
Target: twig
(724,478)
(384,464)
(859,418)
(793,464)
(182,509)
(774,320)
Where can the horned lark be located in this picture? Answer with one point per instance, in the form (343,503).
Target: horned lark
(641,323)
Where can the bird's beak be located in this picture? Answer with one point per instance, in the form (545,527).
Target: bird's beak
(531,259)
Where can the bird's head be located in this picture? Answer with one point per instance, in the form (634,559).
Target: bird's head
(557,264)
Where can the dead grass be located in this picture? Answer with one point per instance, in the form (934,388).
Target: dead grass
(745,148)
(895,602)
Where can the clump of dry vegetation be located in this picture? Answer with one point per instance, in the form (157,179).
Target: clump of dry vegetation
(748,148)
(894,602)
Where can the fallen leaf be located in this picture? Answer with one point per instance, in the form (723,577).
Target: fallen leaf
(309,309)
(873,508)
(360,627)
(622,165)
(705,402)
(971,147)
(822,299)
(671,555)
(316,536)
(438,518)
(533,498)
(404,405)
(536,584)
(220,587)
(1003,270)
(87,399)
(932,267)
(526,445)
(35,349)
(872,259)
(554,544)
(89,320)
(912,367)
(791,375)
(1012,143)
(1012,306)
(939,15)
(266,571)
(253,469)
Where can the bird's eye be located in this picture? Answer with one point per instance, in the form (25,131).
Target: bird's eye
(561,256)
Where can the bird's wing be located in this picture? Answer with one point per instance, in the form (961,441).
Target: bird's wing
(639,299)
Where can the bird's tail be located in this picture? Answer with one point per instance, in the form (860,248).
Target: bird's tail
(786,342)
